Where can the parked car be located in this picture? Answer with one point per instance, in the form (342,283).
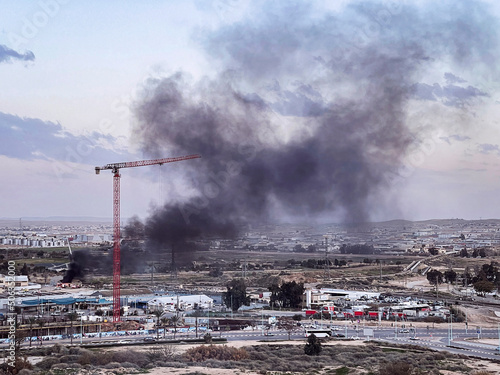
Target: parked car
(149,339)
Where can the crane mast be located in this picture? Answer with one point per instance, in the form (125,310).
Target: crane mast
(115,169)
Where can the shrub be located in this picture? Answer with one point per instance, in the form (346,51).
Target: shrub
(129,365)
(66,365)
(71,358)
(103,358)
(223,353)
(20,364)
(396,368)
(161,353)
(112,365)
(207,338)
(87,358)
(47,363)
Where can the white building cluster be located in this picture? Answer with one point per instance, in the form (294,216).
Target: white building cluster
(33,241)
(44,240)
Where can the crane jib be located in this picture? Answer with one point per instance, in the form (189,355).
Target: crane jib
(115,166)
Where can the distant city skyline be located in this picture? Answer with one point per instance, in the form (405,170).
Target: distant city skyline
(77,76)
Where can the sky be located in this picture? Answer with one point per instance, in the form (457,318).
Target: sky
(77,78)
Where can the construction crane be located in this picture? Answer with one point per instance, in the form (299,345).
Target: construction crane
(115,169)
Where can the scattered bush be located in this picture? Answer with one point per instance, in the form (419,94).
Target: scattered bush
(396,368)
(71,358)
(47,363)
(65,366)
(87,358)
(20,364)
(161,353)
(223,353)
(129,365)
(112,365)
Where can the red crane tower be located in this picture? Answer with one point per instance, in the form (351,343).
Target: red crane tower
(115,168)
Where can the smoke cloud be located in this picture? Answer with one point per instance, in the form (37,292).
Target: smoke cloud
(7,54)
(306,117)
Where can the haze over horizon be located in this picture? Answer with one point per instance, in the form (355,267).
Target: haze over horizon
(353,112)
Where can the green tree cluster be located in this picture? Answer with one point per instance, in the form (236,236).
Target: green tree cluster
(288,295)
(236,295)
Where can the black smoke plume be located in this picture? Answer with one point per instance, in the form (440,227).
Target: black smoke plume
(78,262)
(307,116)
(88,262)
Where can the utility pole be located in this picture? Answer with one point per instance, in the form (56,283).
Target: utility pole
(327,262)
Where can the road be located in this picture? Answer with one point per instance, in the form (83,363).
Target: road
(460,342)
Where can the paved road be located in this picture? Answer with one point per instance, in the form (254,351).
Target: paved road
(437,339)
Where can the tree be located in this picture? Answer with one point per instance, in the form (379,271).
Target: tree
(435,277)
(311,248)
(19,339)
(313,345)
(72,316)
(464,253)
(158,314)
(433,251)
(236,295)
(288,325)
(274,289)
(164,322)
(207,338)
(24,270)
(297,317)
(357,249)
(174,320)
(450,276)
(299,249)
(290,294)
(41,323)
(31,322)
(215,272)
(484,286)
